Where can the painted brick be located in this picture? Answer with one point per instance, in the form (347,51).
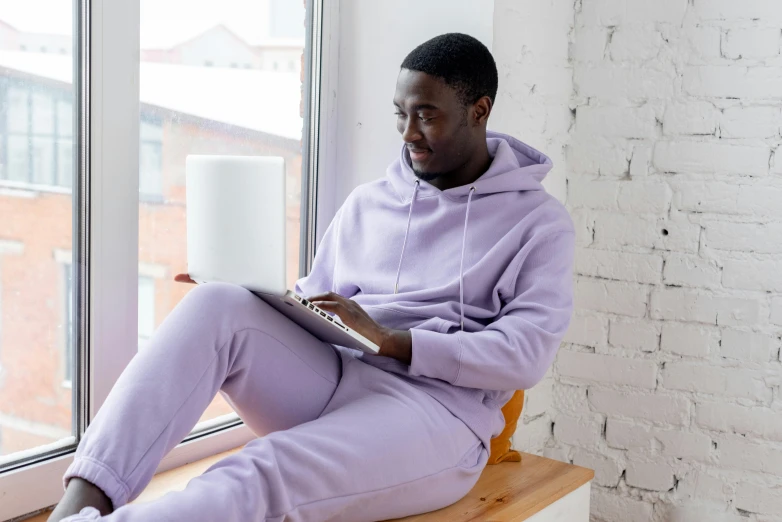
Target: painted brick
(597,155)
(587,330)
(732,11)
(640,159)
(589,43)
(607,470)
(679,304)
(597,194)
(755,43)
(707,483)
(614,12)
(635,44)
(607,369)
(760,200)
(753,274)
(629,436)
(715,380)
(698,157)
(748,346)
(684,270)
(760,238)
(766,500)
(583,224)
(671,443)
(618,122)
(637,334)
(702,43)
(619,230)
(684,444)
(706,196)
(691,118)
(738,453)
(652,407)
(579,431)
(570,399)
(611,506)
(537,400)
(750,122)
(776,310)
(609,83)
(649,475)
(758,422)
(644,196)
(691,340)
(729,81)
(610,296)
(637,268)
(533,434)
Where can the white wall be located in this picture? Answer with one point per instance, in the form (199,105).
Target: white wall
(374,38)
(668,384)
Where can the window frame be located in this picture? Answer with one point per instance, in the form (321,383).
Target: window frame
(107,87)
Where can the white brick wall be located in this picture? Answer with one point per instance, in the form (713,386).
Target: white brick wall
(535,106)
(669,384)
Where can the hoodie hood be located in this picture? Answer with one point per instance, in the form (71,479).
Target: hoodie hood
(515,167)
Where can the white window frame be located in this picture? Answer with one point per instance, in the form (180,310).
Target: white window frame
(114,213)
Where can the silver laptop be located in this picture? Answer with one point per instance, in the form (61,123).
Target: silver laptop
(236,234)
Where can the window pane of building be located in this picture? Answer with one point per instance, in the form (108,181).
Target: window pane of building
(209,85)
(36,275)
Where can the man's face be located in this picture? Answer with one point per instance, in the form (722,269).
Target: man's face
(434,124)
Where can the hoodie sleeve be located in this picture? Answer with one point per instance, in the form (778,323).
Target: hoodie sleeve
(513,352)
(322,276)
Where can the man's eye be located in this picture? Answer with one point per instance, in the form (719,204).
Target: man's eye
(398,114)
(425,120)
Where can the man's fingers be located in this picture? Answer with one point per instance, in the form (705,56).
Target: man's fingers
(184,278)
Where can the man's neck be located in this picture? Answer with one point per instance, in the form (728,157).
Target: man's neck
(469,172)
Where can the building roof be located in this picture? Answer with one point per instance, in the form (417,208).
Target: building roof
(265,101)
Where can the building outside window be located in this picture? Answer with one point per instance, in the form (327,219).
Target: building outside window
(37,134)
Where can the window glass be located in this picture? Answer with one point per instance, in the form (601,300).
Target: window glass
(37,283)
(194,103)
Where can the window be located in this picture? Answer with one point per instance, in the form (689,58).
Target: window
(39,418)
(146,310)
(38,132)
(66,308)
(151,159)
(259,115)
(146,318)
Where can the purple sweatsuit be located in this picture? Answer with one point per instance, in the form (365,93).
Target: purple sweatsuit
(481,275)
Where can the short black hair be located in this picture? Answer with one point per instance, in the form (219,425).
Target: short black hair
(461,61)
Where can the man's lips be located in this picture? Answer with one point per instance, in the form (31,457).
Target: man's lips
(419,154)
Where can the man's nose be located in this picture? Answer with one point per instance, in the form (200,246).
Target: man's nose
(411,134)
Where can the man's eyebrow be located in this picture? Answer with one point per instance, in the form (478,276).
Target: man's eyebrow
(420,106)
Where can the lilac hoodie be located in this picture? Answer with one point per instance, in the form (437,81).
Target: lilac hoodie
(480,274)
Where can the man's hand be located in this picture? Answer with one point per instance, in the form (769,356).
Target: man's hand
(393,343)
(184,278)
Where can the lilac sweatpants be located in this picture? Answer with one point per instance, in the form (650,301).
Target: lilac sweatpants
(339,439)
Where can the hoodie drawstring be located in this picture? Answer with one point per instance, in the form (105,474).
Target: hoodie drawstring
(461,261)
(407,231)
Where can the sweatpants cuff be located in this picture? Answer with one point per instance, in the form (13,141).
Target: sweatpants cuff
(102,476)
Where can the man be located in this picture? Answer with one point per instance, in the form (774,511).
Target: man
(457,264)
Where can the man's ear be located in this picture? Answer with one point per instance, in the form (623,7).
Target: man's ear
(481,111)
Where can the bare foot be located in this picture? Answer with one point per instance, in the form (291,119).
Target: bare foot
(78,495)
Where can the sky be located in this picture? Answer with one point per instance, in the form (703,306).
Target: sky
(164,23)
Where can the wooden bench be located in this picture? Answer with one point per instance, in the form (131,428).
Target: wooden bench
(537,490)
